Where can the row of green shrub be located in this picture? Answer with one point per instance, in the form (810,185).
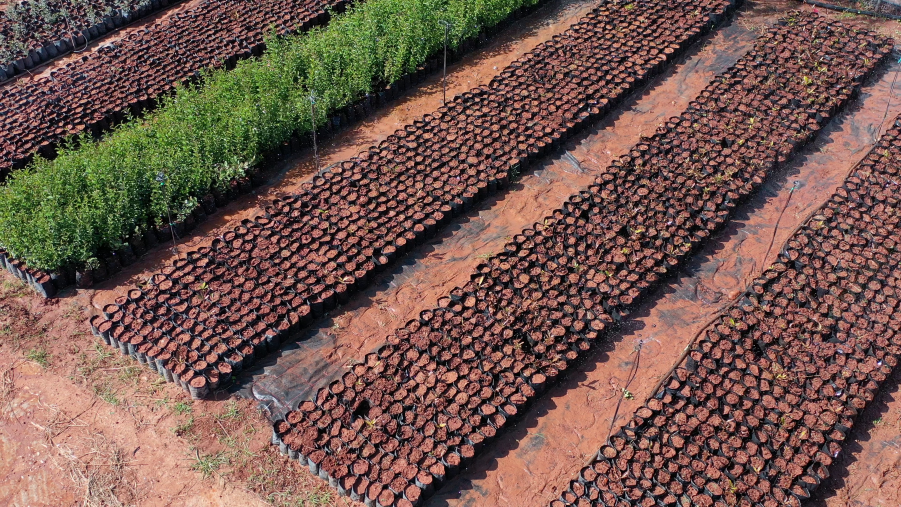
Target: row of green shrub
(95,195)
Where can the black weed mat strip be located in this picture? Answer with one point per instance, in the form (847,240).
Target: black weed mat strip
(769,394)
(396,426)
(216,311)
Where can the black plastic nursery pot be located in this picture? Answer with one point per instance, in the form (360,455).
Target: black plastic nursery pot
(465,370)
(310,251)
(749,389)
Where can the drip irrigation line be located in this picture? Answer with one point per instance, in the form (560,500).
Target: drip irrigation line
(888,105)
(74,47)
(851,10)
(729,304)
(82,50)
(691,343)
(791,192)
(625,388)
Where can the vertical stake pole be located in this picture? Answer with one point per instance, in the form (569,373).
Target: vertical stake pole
(444,74)
(313,116)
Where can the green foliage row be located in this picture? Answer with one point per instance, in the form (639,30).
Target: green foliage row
(95,195)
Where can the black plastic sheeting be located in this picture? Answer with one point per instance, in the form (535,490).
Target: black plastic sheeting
(281,381)
(322,352)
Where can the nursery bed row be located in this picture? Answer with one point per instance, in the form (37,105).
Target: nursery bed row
(98,90)
(33,32)
(143,238)
(224,305)
(413,413)
(770,392)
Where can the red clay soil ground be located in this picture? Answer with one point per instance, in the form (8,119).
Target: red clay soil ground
(88,414)
(80,425)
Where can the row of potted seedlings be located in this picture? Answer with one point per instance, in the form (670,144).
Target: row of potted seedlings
(769,394)
(48,284)
(413,413)
(309,252)
(96,91)
(34,32)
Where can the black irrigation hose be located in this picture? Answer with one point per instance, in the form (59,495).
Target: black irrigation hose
(851,10)
(719,313)
(625,389)
(791,192)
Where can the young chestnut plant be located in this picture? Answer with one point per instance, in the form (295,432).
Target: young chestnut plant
(95,193)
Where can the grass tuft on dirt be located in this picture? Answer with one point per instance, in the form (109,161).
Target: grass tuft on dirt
(39,355)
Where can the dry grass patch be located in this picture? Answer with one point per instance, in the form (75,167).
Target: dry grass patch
(102,475)
(7,388)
